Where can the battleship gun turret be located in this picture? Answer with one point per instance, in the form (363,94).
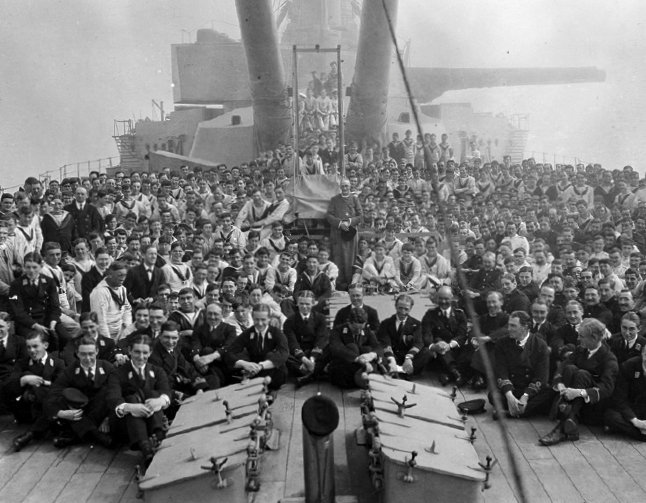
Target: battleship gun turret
(427,84)
(271,108)
(368,110)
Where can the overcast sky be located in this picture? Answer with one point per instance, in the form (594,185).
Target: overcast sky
(69,67)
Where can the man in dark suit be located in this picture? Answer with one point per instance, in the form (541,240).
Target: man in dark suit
(94,276)
(86,216)
(307,338)
(355,291)
(540,325)
(582,383)
(183,379)
(628,344)
(142,281)
(627,410)
(82,418)
(266,349)
(354,350)
(521,366)
(138,393)
(29,385)
(401,337)
(208,344)
(447,326)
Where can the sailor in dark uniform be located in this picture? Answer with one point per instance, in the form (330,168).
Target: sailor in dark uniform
(77,398)
(107,348)
(514,299)
(183,378)
(12,349)
(35,303)
(566,337)
(261,350)
(447,326)
(594,308)
(521,367)
(482,282)
(29,385)
(354,349)
(540,325)
(315,281)
(628,344)
(138,393)
(627,410)
(401,337)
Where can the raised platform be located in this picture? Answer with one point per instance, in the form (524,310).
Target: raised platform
(599,468)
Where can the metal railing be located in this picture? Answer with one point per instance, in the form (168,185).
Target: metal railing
(79,170)
(553,159)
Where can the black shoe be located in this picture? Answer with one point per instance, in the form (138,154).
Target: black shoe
(21,441)
(571,429)
(556,436)
(154,441)
(457,375)
(306,379)
(444,379)
(479,383)
(462,380)
(147,452)
(64,440)
(103,439)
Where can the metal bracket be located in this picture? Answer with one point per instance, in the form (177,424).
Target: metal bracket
(488,468)
(401,406)
(216,469)
(227,411)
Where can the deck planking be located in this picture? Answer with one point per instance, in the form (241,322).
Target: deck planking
(598,468)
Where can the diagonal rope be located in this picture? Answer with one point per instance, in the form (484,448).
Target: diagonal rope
(502,423)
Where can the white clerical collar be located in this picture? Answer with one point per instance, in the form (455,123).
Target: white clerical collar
(593,351)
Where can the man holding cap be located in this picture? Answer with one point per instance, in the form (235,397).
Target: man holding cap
(29,385)
(77,399)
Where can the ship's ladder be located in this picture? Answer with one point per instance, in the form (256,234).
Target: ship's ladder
(517,143)
(125,139)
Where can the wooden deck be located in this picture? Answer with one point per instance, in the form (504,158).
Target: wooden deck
(598,468)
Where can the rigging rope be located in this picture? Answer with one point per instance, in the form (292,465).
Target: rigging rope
(502,423)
